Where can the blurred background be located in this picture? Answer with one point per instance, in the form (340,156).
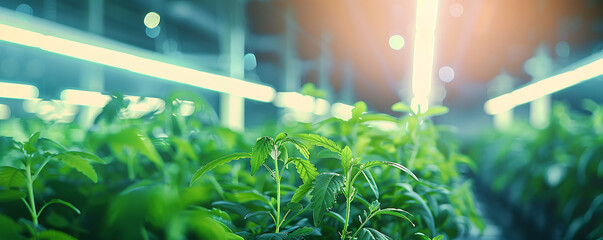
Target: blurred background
(258,61)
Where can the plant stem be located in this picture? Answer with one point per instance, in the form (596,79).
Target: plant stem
(32,203)
(362,225)
(295,215)
(278,196)
(347,218)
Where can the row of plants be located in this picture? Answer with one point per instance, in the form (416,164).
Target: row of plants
(167,176)
(549,179)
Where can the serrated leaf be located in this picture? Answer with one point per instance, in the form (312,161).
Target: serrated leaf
(371,164)
(403,168)
(78,161)
(260,152)
(306,170)
(10,195)
(395,212)
(319,141)
(301,192)
(54,235)
(326,153)
(325,188)
(301,147)
(346,158)
(11,177)
(300,233)
(218,162)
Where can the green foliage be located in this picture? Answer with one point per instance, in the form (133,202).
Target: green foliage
(325,188)
(218,162)
(306,170)
(11,177)
(259,153)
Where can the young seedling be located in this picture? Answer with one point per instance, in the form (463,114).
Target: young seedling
(33,152)
(328,185)
(277,150)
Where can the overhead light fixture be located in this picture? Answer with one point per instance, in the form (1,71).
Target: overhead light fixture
(4,111)
(132,62)
(427,11)
(585,70)
(18,91)
(342,111)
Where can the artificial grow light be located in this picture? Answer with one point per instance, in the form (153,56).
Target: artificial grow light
(18,91)
(592,67)
(427,11)
(134,63)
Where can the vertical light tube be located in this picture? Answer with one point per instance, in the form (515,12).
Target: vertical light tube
(427,11)
(232,108)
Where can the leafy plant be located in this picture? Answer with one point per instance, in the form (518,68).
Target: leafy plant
(277,150)
(43,150)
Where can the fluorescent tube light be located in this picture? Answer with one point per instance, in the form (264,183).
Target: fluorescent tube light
(531,92)
(427,12)
(18,91)
(134,63)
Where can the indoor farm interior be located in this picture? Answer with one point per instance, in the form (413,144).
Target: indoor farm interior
(301,119)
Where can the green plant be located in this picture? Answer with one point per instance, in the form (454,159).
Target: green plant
(328,185)
(277,150)
(36,154)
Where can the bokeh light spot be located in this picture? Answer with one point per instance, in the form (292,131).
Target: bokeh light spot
(446,74)
(250,61)
(151,20)
(456,9)
(396,42)
(152,32)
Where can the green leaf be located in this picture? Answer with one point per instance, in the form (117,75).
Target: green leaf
(138,141)
(11,177)
(33,139)
(46,143)
(401,107)
(301,192)
(10,195)
(218,162)
(359,108)
(371,234)
(300,233)
(86,156)
(280,136)
(422,236)
(283,153)
(403,168)
(336,216)
(306,170)
(54,235)
(251,214)
(326,153)
(371,181)
(325,189)
(394,212)
(260,152)
(301,147)
(346,159)
(374,206)
(58,201)
(247,196)
(294,206)
(319,141)
(79,162)
(377,117)
(430,221)
(439,237)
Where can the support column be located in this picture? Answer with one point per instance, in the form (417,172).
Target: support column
(92,76)
(232,108)
(501,84)
(539,67)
